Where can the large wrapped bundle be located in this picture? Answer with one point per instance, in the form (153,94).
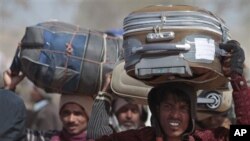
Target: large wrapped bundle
(175,43)
(65,58)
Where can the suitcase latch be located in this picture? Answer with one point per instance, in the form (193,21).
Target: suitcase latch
(160,36)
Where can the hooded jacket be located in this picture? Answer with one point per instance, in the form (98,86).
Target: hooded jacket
(156,94)
(241,95)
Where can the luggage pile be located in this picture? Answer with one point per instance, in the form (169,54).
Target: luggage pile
(161,44)
(164,44)
(174,43)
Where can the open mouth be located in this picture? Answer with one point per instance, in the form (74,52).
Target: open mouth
(174,123)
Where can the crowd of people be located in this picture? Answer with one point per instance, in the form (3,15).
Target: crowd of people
(108,117)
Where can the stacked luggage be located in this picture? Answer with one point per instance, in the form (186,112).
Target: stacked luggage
(174,43)
(164,44)
(161,44)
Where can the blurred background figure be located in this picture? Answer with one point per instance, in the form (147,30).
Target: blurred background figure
(44,113)
(12,116)
(127,115)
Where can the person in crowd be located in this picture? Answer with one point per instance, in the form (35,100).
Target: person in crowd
(74,112)
(13,115)
(173,106)
(127,115)
(44,114)
(123,114)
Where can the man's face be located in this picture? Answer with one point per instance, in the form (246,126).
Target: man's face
(129,117)
(74,118)
(174,117)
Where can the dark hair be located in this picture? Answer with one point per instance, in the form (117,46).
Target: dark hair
(181,92)
(178,94)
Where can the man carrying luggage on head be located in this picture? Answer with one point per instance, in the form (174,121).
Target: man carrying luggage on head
(173,106)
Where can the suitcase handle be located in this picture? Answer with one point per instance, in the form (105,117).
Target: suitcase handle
(159,48)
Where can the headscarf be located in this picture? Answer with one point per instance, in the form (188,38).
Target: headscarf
(121,102)
(85,102)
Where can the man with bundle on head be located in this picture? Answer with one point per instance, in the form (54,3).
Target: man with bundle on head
(164,51)
(173,107)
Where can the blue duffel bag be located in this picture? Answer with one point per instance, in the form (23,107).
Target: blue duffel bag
(64,58)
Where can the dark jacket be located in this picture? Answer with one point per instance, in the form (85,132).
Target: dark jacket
(12,116)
